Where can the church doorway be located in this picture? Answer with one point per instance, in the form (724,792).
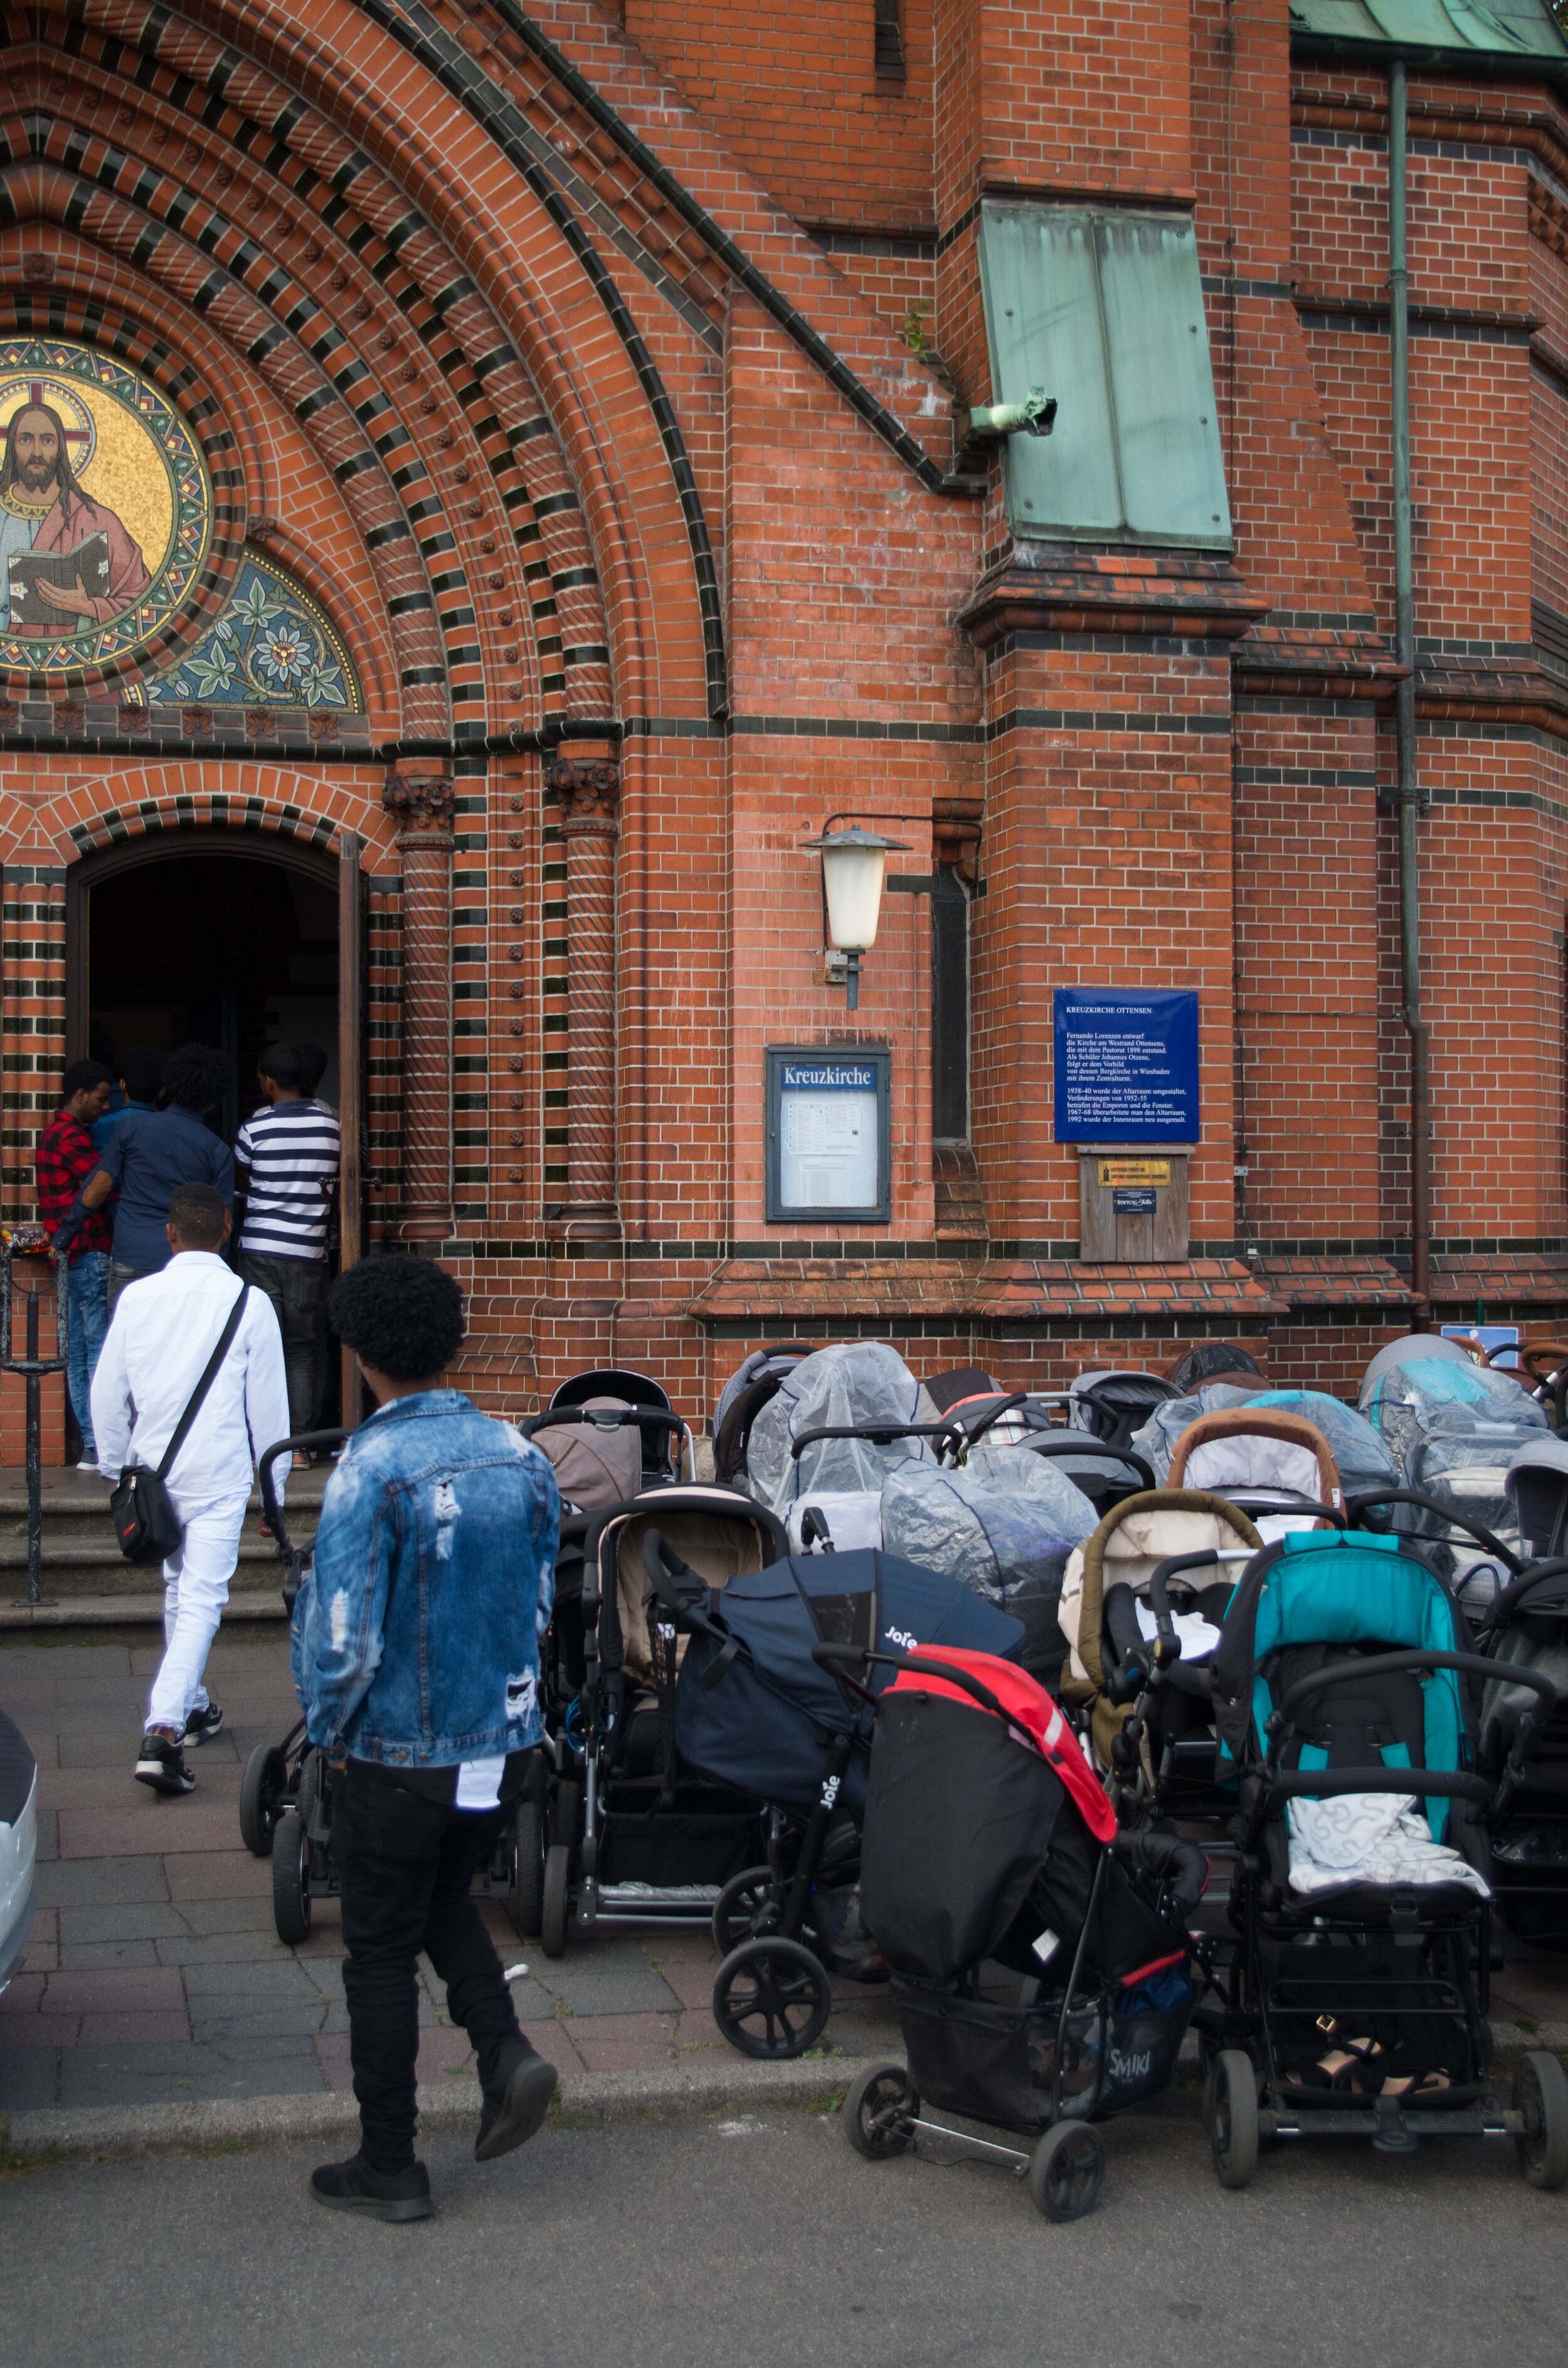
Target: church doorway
(186,937)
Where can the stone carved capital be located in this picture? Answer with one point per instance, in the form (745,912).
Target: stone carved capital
(588,789)
(419,802)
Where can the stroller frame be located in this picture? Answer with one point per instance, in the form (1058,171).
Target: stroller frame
(1247,2093)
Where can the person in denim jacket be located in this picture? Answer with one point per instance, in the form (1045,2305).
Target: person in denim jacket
(416,1655)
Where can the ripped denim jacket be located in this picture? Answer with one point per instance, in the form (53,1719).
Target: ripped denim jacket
(415,1635)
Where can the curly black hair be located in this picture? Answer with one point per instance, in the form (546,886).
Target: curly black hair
(196,1077)
(402,1314)
(81,1076)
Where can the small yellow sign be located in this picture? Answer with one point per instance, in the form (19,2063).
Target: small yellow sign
(1135,1171)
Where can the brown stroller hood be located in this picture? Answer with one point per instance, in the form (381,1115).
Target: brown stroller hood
(1257,1447)
(1135,1536)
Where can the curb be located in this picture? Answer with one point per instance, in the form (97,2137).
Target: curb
(85,2134)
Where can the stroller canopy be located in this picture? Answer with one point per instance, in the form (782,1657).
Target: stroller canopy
(1325,1588)
(760,1727)
(595,1468)
(1537,1481)
(1405,1351)
(862,1382)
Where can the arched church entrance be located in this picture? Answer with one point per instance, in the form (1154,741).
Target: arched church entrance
(184,936)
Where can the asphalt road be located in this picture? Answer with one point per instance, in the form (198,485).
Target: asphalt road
(763,2240)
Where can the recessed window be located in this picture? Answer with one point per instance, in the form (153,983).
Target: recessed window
(889,37)
(1103,308)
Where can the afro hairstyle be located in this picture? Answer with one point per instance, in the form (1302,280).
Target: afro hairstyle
(403,1316)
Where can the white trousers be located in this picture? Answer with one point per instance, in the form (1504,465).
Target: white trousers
(196,1588)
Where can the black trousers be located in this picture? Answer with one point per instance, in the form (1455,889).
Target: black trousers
(297,1287)
(405,1864)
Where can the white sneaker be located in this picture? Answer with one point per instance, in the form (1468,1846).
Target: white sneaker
(88,1463)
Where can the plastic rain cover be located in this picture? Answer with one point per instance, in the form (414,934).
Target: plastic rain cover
(1003,1523)
(860,1381)
(1408,1403)
(1361,1455)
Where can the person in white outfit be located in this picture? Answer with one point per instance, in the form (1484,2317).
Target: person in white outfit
(163,1331)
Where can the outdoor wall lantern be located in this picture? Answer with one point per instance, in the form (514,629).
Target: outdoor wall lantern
(854,862)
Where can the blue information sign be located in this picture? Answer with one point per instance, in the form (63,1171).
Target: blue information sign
(1126,1066)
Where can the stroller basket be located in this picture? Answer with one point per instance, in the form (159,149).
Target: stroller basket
(993,2062)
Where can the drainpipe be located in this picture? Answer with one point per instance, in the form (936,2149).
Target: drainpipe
(1409,795)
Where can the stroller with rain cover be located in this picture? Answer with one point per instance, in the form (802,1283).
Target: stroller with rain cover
(759,1709)
(988,1839)
(1153,1743)
(631,1831)
(1353,2003)
(286,1789)
(1276,1467)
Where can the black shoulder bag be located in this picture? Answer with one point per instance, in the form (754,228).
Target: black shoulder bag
(145,1521)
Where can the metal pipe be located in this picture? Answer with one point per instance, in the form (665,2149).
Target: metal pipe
(1409,795)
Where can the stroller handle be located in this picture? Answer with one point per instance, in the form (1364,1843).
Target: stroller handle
(881,1434)
(1514,1594)
(604,1419)
(1088,1449)
(920,1664)
(309,1441)
(1356,1506)
(1326,1784)
(1388,1664)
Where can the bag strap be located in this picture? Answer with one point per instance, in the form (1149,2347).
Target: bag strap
(193,1404)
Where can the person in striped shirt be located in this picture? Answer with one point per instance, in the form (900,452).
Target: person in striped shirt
(286,1156)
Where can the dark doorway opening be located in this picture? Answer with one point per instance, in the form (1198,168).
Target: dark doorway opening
(207,945)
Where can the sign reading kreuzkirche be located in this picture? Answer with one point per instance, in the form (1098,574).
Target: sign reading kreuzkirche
(1126,1066)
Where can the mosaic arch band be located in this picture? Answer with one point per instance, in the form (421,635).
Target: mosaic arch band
(106,510)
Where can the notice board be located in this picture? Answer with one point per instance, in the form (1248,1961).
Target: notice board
(828,1134)
(1126,1066)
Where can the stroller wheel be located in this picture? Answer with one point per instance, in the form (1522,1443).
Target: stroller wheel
(771,1998)
(290,1878)
(744,1910)
(262,1788)
(525,1894)
(553,1907)
(1232,2107)
(878,2109)
(1066,2170)
(1540,2096)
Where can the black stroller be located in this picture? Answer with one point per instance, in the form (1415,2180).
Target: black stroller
(1527,1627)
(286,1790)
(1353,2003)
(759,1708)
(629,1832)
(988,1841)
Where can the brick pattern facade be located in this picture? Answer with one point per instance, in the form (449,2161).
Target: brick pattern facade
(601,372)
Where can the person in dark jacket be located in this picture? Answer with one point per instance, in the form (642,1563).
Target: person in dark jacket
(151,1154)
(416,1655)
(64,1160)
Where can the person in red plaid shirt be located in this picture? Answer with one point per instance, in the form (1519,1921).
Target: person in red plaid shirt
(64,1159)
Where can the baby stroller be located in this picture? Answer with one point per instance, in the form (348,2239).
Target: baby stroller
(1354,1999)
(666,1440)
(741,1400)
(1276,1467)
(631,1831)
(286,1790)
(758,1707)
(988,1839)
(1112,1404)
(1157,1755)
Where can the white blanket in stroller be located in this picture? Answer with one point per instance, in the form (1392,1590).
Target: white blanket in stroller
(1376,1838)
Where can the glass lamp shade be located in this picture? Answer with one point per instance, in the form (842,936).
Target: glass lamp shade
(853,863)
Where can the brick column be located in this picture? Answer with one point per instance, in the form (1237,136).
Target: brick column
(588,791)
(422,807)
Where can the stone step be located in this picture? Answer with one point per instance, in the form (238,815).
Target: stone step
(140,1611)
(83,1565)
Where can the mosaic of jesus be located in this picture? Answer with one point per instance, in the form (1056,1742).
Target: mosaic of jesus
(105,507)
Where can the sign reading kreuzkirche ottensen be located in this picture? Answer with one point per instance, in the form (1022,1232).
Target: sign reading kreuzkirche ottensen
(1126,1066)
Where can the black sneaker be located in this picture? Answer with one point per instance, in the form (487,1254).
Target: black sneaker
(162,1765)
(516,2103)
(353,2186)
(203,1724)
